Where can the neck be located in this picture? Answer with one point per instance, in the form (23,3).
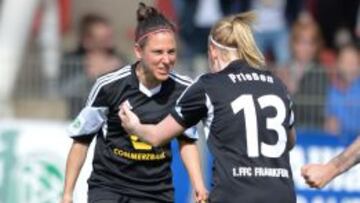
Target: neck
(224,63)
(145,78)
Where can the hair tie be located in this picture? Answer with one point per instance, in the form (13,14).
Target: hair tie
(220,45)
(140,38)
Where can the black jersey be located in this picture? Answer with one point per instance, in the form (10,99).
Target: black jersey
(247,114)
(122,164)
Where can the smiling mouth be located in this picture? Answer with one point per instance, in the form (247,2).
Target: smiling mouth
(164,70)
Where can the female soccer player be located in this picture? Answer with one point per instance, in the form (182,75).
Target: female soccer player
(126,170)
(248,117)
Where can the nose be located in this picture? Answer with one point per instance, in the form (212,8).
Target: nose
(166,59)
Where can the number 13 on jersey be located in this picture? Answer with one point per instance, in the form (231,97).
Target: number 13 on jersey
(246,102)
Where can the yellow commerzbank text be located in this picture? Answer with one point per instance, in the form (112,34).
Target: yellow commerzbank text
(140,156)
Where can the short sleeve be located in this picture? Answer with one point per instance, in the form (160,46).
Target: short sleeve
(291,113)
(92,117)
(191,107)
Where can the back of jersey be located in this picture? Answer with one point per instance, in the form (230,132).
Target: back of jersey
(248,118)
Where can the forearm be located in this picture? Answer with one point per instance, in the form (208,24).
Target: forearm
(159,134)
(149,134)
(191,159)
(347,159)
(75,161)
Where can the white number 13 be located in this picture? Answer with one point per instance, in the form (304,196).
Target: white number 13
(246,103)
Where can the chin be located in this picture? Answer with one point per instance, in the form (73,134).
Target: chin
(162,77)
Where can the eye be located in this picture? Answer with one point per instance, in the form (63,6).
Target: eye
(172,51)
(157,52)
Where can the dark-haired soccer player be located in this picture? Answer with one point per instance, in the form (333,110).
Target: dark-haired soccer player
(126,170)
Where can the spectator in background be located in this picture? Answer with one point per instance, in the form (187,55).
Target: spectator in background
(343,101)
(335,15)
(94,56)
(195,20)
(357,26)
(271,28)
(304,77)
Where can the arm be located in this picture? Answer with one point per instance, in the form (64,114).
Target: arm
(75,161)
(156,135)
(292,138)
(189,110)
(191,159)
(318,175)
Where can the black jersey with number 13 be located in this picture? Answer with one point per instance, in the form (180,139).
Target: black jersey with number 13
(247,114)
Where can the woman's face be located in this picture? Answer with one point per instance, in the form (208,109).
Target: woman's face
(349,64)
(100,37)
(158,55)
(305,47)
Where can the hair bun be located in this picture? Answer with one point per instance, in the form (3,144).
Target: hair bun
(145,12)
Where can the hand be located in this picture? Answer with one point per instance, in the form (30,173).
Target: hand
(129,120)
(201,195)
(318,175)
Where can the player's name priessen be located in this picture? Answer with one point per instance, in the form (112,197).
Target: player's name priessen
(242,77)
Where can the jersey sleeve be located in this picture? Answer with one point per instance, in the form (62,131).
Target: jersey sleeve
(191,134)
(191,107)
(291,120)
(92,117)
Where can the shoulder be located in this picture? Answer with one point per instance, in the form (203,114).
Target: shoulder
(279,82)
(180,79)
(115,75)
(107,81)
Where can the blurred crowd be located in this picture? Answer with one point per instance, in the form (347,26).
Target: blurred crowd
(312,45)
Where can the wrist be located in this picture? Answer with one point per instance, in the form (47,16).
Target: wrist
(198,185)
(333,169)
(67,196)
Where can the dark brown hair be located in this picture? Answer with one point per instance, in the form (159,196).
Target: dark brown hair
(149,20)
(88,21)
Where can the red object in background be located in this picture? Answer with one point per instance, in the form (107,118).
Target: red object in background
(167,8)
(328,59)
(64,7)
(65,17)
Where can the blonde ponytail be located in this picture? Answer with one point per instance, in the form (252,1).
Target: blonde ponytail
(235,31)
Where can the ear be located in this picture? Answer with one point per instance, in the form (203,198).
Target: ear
(138,51)
(213,52)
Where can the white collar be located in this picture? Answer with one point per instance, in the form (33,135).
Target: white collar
(149,92)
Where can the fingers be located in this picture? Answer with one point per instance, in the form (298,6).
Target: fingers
(304,170)
(313,176)
(124,111)
(201,196)
(123,116)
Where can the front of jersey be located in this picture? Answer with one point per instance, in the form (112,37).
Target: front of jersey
(123,164)
(247,114)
